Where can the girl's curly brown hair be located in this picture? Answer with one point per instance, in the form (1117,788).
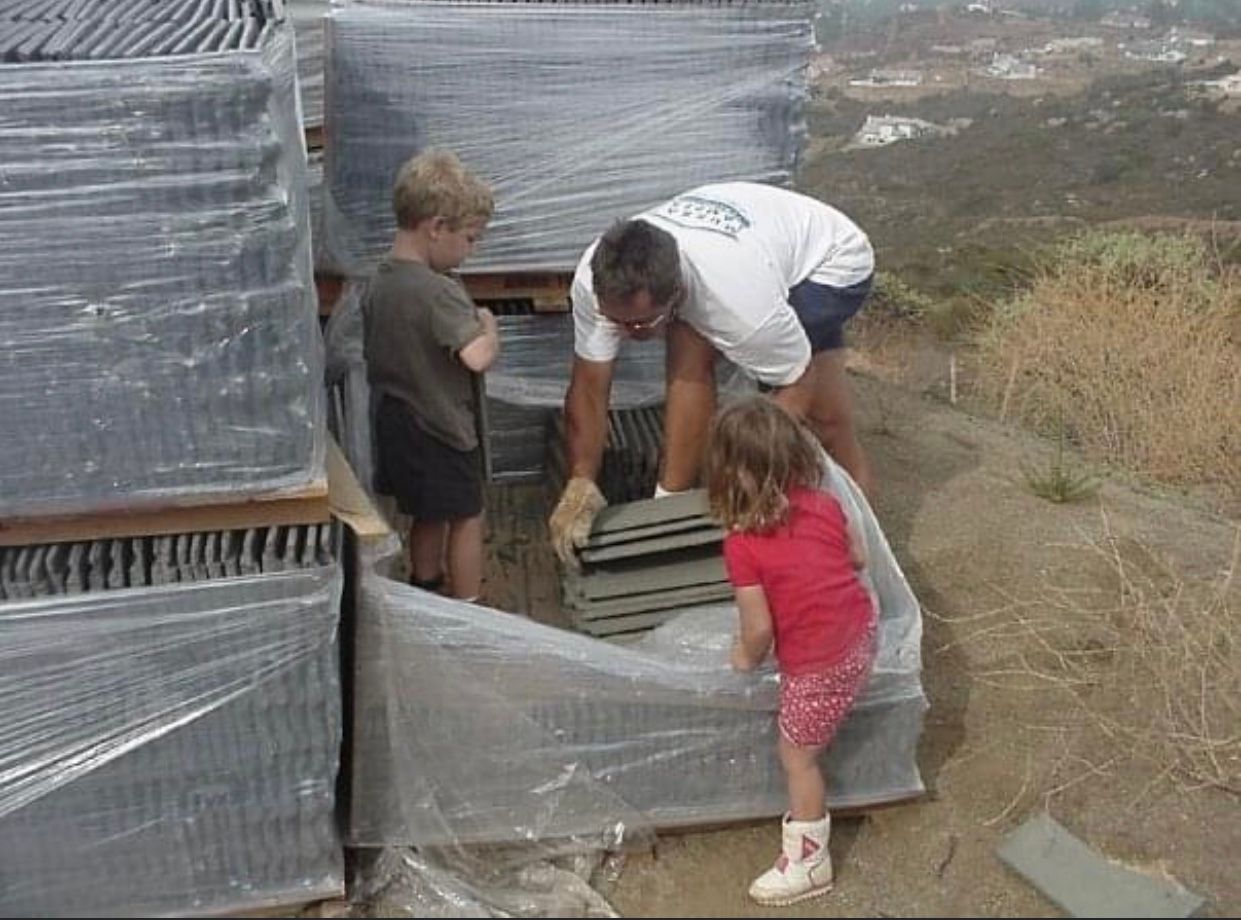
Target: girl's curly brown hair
(756,454)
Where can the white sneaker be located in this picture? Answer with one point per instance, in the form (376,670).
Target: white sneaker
(804,868)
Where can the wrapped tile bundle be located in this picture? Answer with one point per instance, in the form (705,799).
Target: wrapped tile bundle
(61,30)
(578,113)
(629,468)
(526,388)
(475,725)
(308,16)
(170,733)
(349,415)
(159,341)
(75,568)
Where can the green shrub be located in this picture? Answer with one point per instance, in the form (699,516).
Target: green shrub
(892,297)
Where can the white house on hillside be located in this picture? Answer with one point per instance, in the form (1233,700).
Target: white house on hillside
(1160,52)
(1008,67)
(1069,45)
(1229,85)
(890,78)
(1119,19)
(881,130)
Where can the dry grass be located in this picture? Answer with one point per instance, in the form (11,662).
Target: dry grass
(1153,664)
(1179,661)
(1129,345)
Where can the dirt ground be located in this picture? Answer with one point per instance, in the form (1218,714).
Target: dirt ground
(1001,741)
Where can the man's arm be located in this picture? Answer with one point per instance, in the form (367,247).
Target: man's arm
(586,425)
(586,415)
(690,372)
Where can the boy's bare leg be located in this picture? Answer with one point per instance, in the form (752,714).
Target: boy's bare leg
(426,550)
(465,557)
(807,789)
(828,411)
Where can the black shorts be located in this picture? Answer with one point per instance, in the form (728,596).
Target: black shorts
(823,310)
(430,480)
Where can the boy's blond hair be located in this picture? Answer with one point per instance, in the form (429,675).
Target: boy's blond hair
(757,453)
(436,184)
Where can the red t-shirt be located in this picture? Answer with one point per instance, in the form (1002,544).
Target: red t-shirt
(819,607)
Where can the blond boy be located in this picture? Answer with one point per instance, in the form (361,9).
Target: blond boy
(427,346)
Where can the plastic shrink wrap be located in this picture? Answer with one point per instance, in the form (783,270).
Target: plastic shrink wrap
(159,338)
(576,113)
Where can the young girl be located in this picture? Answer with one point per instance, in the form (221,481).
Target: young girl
(792,559)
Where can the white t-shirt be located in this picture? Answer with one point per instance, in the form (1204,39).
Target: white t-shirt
(743,245)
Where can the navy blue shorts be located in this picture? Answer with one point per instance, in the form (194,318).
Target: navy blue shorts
(824,310)
(430,480)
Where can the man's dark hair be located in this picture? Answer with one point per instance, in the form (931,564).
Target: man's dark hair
(635,256)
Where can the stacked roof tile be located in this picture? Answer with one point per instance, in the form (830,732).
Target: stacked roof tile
(644,563)
(159,338)
(577,113)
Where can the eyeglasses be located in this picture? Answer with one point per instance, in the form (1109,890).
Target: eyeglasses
(654,322)
(643,325)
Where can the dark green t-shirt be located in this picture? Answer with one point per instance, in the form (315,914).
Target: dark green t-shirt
(415,321)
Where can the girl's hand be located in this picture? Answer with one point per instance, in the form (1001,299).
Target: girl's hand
(740,660)
(857,546)
(754,639)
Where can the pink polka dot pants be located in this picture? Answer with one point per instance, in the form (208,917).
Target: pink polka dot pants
(813,706)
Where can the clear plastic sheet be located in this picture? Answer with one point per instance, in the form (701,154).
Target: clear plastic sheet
(576,113)
(349,392)
(496,882)
(51,30)
(171,749)
(308,17)
(159,339)
(477,726)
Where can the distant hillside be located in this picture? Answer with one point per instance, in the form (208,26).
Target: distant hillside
(946,213)
(1217,14)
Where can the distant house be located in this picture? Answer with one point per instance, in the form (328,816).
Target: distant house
(1229,85)
(881,130)
(1008,67)
(890,78)
(986,7)
(1194,38)
(1122,19)
(1069,45)
(948,50)
(1160,52)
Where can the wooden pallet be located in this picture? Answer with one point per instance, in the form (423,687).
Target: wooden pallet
(541,293)
(337,495)
(308,505)
(547,292)
(314,137)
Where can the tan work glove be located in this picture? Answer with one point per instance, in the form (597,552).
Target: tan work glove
(575,513)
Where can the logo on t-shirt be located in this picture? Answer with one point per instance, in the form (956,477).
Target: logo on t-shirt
(705,214)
